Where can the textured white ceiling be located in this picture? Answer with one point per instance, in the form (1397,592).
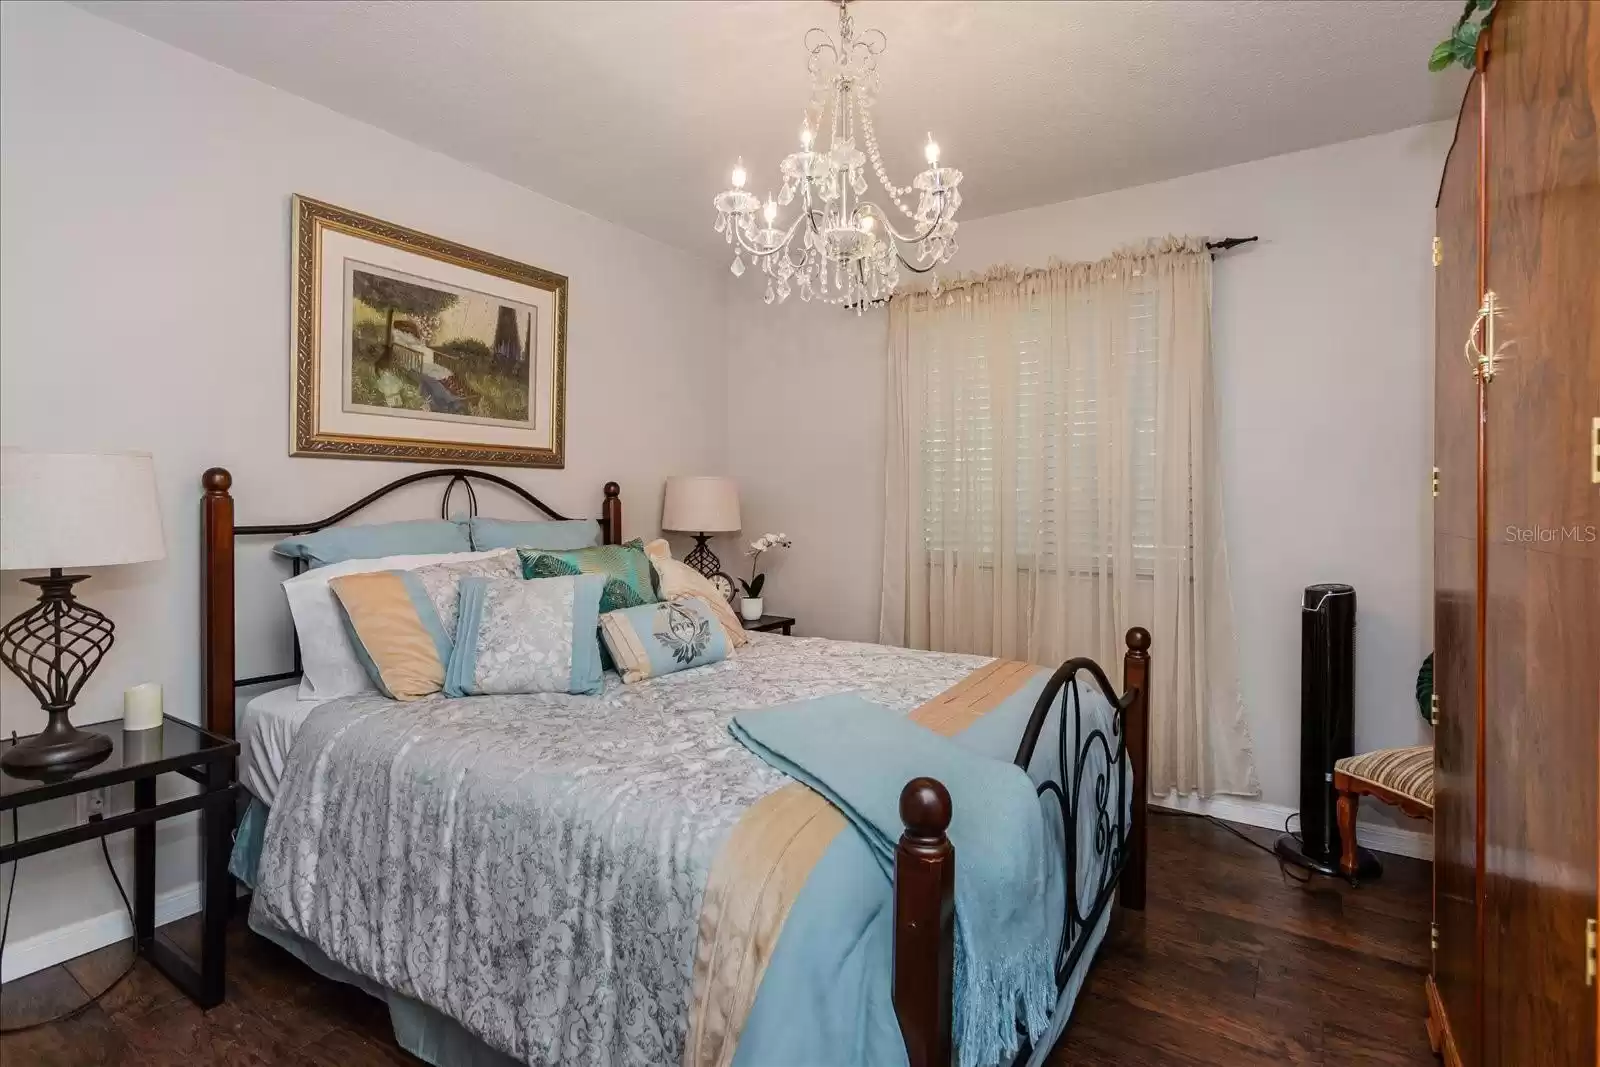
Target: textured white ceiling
(635,111)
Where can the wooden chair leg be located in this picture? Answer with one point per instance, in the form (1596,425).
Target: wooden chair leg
(1348,862)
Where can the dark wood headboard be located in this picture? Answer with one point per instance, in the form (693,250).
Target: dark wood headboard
(217,536)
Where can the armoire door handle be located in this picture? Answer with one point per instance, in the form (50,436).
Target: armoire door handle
(1485,357)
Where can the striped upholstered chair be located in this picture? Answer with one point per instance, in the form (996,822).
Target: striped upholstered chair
(1402,777)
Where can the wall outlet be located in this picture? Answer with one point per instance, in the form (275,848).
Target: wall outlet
(92,805)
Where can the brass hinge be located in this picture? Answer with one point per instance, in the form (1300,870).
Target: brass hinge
(1433,936)
(1438,252)
(1436,480)
(1433,709)
(1594,472)
(1588,952)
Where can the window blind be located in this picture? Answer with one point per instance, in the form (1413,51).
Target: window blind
(1078,398)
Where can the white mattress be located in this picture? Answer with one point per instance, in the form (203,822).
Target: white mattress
(265,736)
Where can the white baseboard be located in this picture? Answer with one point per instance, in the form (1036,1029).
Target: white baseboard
(65,942)
(1390,839)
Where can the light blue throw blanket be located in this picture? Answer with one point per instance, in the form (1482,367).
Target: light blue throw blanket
(859,756)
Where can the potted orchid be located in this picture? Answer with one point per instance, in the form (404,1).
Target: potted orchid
(750,607)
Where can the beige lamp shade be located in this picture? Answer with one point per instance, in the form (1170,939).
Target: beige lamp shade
(701,504)
(78,509)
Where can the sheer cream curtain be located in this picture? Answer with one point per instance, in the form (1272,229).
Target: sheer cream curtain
(1052,481)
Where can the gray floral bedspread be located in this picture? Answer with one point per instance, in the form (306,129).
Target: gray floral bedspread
(532,866)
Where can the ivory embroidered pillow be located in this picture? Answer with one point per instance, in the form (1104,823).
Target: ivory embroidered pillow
(675,580)
(656,639)
(534,636)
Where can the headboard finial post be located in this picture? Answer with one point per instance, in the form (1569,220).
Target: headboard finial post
(216,601)
(611,515)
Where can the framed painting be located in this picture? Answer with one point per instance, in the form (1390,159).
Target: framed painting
(411,347)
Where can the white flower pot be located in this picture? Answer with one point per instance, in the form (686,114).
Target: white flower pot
(750,608)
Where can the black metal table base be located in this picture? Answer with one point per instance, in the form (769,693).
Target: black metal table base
(202,980)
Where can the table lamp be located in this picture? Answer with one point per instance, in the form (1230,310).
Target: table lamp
(701,505)
(68,509)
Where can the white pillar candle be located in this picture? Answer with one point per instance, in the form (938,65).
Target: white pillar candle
(141,706)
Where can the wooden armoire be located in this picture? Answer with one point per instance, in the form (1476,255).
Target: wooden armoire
(1517,549)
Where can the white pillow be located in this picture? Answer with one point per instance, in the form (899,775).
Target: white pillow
(327,657)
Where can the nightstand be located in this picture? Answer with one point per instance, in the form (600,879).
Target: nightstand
(140,757)
(770,624)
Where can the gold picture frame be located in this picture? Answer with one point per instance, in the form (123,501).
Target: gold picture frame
(473,369)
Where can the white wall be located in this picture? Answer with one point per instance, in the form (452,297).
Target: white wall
(144,199)
(1323,340)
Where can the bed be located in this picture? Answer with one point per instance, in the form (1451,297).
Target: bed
(660,827)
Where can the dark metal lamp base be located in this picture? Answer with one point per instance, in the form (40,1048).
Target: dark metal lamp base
(54,647)
(59,751)
(1290,849)
(701,558)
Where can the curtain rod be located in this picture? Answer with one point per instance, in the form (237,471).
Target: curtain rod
(1221,244)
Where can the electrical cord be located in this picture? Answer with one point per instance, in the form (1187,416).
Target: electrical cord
(1283,868)
(5,927)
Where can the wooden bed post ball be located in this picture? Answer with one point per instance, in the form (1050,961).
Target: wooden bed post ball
(925,808)
(216,480)
(1138,640)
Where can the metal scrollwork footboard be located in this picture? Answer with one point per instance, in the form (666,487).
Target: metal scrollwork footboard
(1083,787)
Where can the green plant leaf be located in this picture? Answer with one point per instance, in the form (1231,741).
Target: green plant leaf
(753,590)
(1468,33)
(1443,55)
(1486,5)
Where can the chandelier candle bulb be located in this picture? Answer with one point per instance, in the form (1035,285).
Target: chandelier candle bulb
(141,706)
(738,174)
(930,151)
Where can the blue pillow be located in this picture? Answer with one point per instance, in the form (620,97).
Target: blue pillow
(655,639)
(336,544)
(519,636)
(565,535)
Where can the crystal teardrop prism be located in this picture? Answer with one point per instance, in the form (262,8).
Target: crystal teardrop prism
(737,266)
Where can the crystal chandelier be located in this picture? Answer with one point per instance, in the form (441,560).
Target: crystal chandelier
(841,248)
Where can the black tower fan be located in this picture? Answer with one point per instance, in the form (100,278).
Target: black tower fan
(1327,726)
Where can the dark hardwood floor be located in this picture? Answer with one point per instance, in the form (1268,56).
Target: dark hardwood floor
(1229,965)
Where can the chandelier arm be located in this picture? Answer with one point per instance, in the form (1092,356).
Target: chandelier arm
(788,235)
(912,267)
(757,250)
(914,237)
(939,219)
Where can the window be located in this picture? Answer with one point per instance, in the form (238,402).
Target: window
(1025,425)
